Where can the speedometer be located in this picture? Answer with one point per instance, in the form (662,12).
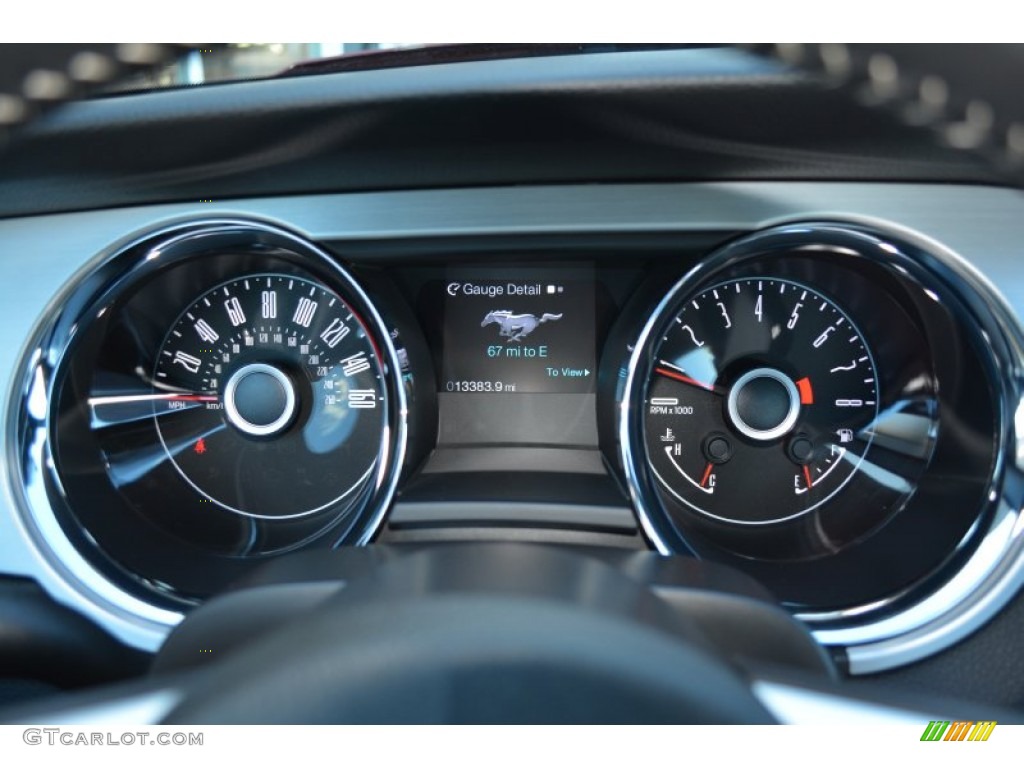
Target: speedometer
(226,392)
(269,396)
(760,402)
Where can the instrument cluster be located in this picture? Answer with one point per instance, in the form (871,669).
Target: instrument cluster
(823,405)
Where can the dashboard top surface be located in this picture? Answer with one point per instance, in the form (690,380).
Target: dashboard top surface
(662,116)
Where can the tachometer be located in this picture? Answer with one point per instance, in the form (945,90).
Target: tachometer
(811,404)
(760,402)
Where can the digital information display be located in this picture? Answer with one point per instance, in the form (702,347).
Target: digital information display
(518,363)
(523,335)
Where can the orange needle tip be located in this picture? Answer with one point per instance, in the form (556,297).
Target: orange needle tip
(707,474)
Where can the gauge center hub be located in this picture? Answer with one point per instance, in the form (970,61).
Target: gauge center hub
(763,404)
(259,400)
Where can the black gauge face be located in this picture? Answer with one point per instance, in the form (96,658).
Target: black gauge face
(810,405)
(268,397)
(231,394)
(760,404)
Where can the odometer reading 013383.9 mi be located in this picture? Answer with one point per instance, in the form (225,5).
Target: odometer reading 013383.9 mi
(758,400)
(270,399)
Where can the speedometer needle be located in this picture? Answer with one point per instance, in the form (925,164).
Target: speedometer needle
(187,397)
(112,410)
(677,375)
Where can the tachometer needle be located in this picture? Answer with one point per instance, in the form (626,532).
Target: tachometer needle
(677,375)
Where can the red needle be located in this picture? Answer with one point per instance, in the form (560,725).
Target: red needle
(807,477)
(685,379)
(707,474)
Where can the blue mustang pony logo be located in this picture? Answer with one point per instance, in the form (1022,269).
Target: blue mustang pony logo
(516,327)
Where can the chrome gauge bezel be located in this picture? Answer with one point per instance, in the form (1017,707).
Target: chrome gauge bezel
(759,364)
(145,615)
(987,565)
